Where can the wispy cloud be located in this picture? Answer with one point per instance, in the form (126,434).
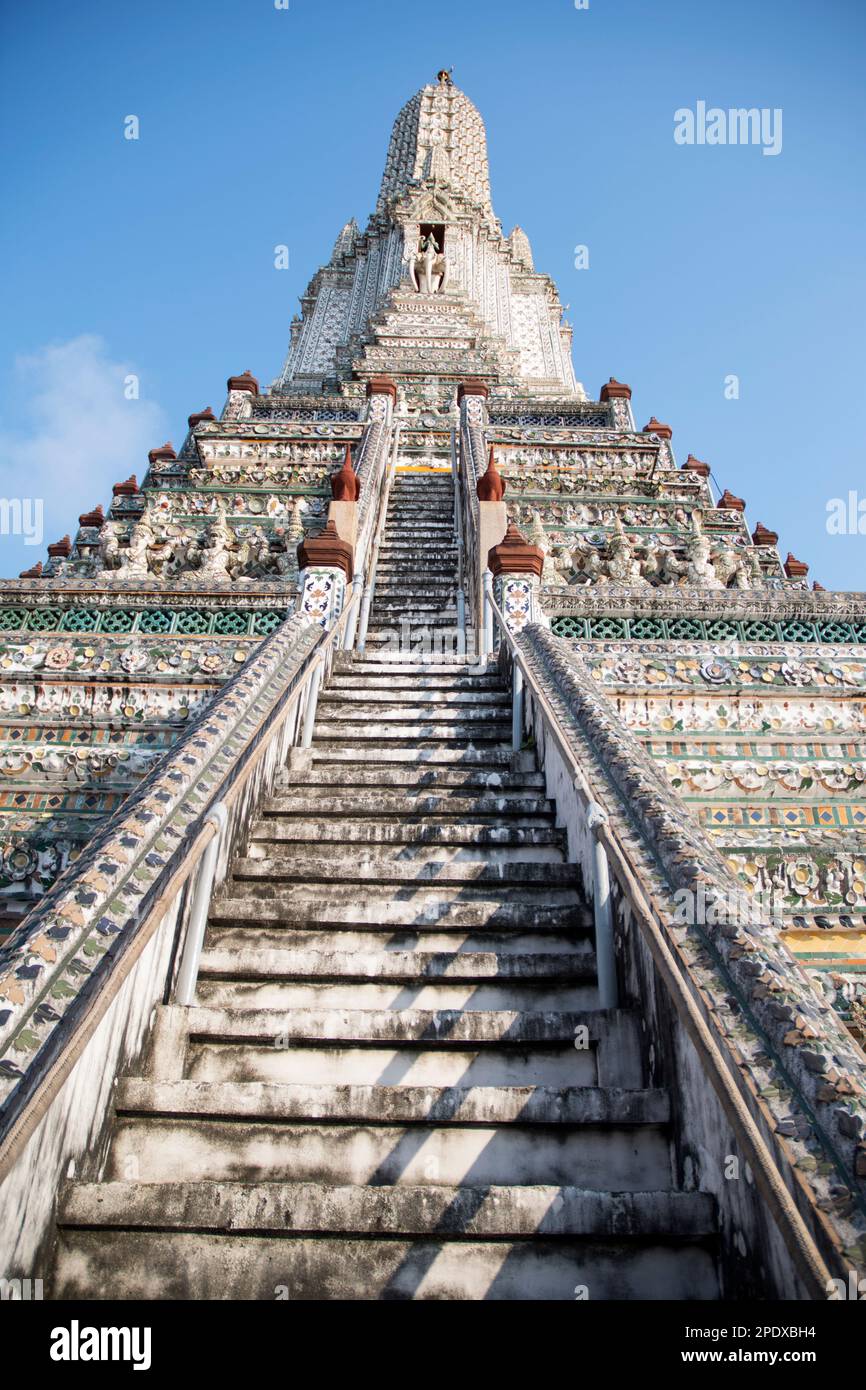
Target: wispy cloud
(75,432)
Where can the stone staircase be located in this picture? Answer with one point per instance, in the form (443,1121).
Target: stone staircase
(414,607)
(384,1090)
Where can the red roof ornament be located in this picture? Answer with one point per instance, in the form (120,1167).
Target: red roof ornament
(60,550)
(245,382)
(762,535)
(382,386)
(729,503)
(34,573)
(345,483)
(327,550)
(795,569)
(694,465)
(472,388)
(94,518)
(514,555)
(199,416)
(614,390)
(164,454)
(491,485)
(127,489)
(656,427)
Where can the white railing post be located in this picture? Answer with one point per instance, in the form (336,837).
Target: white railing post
(461,623)
(605,958)
(487,633)
(516,707)
(352,622)
(187,975)
(312,702)
(365,618)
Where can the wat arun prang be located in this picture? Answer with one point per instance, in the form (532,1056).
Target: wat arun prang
(742,681)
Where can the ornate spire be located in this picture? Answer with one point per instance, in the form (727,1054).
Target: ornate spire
(439,133)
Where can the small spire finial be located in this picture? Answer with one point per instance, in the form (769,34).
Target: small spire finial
(444,76)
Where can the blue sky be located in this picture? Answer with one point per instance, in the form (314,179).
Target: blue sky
(262,126)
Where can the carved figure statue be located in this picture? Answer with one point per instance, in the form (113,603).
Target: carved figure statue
(108,552)
(430,264)
(135,559)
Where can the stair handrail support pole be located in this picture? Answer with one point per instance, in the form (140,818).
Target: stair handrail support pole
(487,635)
(348,640)
(311,705)
(187,975)
(516,706)
(370,586)
(605,954)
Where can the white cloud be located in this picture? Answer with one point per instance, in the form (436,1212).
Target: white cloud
(74,434)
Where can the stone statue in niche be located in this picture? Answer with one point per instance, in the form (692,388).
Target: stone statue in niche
(108,548)
(428,268)
(134,560)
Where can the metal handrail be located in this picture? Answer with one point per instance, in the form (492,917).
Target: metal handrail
(216,817)
(793,1229)
(468,538)
(372,567)
(210,824)
(310,681)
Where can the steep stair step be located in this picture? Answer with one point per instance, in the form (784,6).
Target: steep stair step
(391,1105)
(393,872)
(258,953)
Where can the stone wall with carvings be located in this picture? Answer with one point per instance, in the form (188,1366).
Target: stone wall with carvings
(112,646)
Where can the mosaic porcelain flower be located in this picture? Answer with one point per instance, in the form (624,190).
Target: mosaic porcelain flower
(58,658)
(802,877)
(211,661)
(629,671)
(716,672)
(19,861)
(133,659)
(797,673)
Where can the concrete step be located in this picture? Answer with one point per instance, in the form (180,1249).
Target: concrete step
(440,1027)
(415,604)
(439,1210)
(344,992)
(465,707)
(461,668)
(183,1149)
(557,1106)
(406,570)
(422,755)
(417,541)
(453,682)
(147,1264)
(401,586)
(397,615)
(454,834)
(434,858)
(214,1060)
(417,778)
(377,872)
(406,804)
(469,733)
(447,908)
(259,953)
